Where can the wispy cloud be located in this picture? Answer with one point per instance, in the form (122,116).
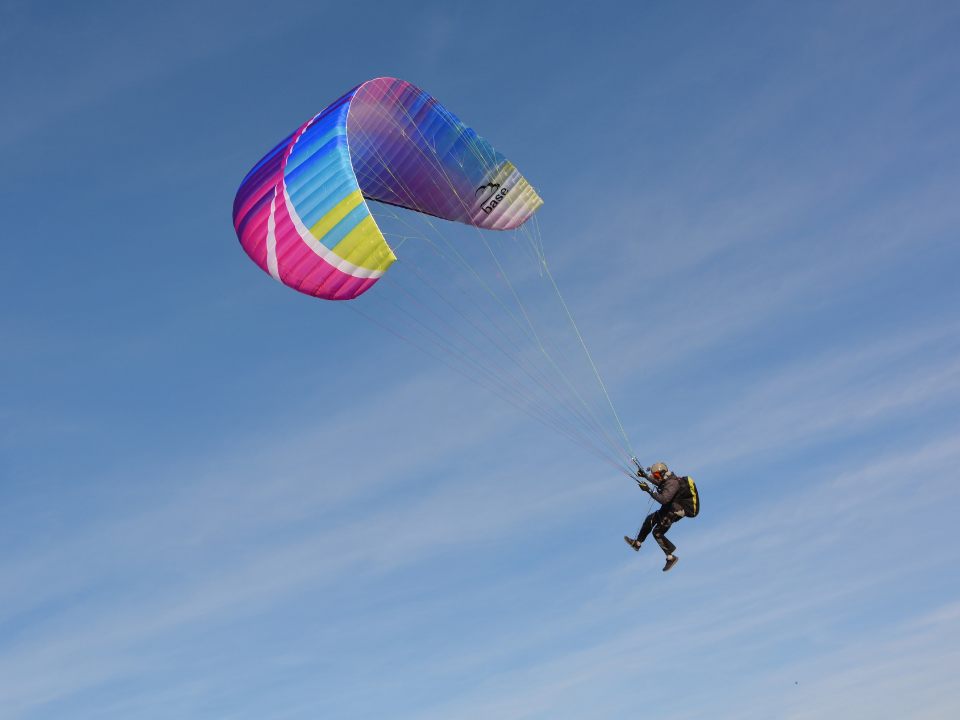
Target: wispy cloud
(798,590)
(755,234)
(113,634)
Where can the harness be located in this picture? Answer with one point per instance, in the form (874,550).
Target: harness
(687,497)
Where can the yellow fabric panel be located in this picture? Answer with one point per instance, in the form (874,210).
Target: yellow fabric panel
(365,247)
(693,492)
(336,214)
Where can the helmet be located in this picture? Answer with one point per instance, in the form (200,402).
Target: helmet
(659,469)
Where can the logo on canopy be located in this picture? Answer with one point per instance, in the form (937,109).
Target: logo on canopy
(494,197)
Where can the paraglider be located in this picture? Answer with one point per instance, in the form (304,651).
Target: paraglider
(678,498)
(304,215)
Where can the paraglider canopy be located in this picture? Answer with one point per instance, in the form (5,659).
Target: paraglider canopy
(301,213)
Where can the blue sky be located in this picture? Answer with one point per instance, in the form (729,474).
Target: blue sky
(220,499)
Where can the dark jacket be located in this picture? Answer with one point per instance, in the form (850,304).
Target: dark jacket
(667,489)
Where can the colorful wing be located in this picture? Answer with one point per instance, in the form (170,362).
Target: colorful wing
(301,213)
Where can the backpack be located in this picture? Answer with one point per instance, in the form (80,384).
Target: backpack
(688,498)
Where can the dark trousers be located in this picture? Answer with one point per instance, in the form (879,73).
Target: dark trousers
(659,522)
